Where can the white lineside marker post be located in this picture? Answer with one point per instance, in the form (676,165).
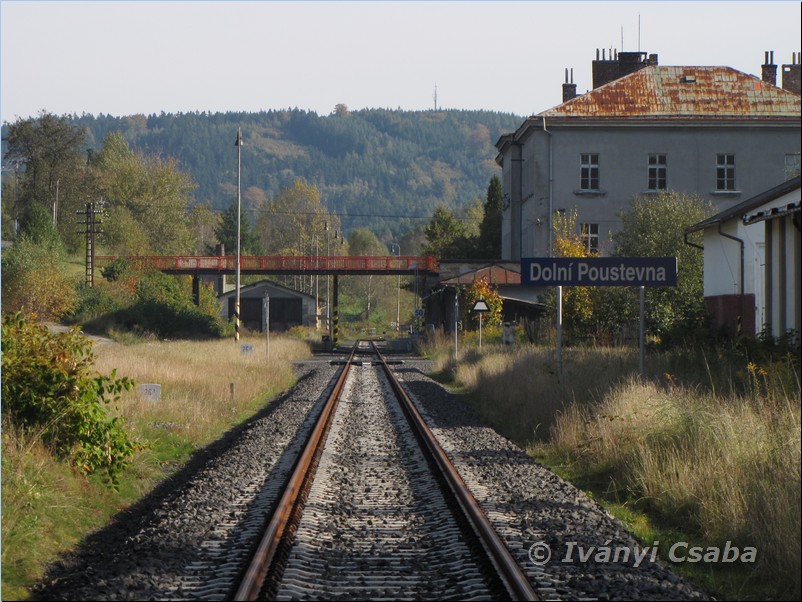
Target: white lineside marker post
(266,310)
(150,391)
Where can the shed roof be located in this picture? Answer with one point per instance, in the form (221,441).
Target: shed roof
(741,209)
(262,284)
(494,274)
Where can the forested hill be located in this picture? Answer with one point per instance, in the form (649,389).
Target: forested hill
(373,162)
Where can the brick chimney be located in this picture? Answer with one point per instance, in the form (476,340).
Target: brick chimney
(769,69)
(791,74)
(569,89)
(618,65)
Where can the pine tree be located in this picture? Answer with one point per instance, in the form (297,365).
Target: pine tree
(490,228)
(226,233)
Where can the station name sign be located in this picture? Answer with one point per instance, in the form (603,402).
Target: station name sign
(599,271)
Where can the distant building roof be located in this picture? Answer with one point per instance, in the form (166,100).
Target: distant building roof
(682,92)
(261,284)
(494,274)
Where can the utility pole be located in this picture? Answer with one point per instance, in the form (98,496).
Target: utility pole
(90,225)
(398,289)
(317,279)
(239,218)
(328,295)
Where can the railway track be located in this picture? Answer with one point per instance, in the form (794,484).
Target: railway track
(376,522)
(376,510)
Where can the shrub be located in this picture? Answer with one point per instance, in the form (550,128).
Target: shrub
(116,270)
(92,303)
(149,302)
(33,281)
(50,389)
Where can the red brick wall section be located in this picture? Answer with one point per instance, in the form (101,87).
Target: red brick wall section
(725,311)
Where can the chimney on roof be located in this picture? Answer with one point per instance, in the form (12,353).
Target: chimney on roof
(769,69)
(569,89)
(618,65)
(791,74)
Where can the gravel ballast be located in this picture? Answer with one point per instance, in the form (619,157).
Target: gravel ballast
(187,539)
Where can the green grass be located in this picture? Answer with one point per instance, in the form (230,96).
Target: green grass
(46,510)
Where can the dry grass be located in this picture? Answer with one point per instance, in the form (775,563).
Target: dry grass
(197,380)
(47,507)
(728,469)
(719,462)
(524,389)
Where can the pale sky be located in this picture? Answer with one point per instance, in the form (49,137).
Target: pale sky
(122,58)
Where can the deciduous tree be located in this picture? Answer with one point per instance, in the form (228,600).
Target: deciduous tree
(146,199)
(50,160)
(294,223)
(368,292)
(481,289)
(654,226)
(34,282)
(577,305)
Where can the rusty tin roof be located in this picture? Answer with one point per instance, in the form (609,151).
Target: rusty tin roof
(495,275)
(682,92)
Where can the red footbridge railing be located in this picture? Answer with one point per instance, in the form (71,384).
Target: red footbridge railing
(282,264)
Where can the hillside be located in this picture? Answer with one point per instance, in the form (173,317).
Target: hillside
(398,165)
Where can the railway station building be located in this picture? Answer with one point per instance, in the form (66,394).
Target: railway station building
(752,264)
(644,128)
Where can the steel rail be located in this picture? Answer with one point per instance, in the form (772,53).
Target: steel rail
(510,572)
(254,578)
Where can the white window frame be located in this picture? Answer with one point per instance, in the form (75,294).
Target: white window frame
(725,172)
(589,173)
(589,235)
(657,175)
(793,164)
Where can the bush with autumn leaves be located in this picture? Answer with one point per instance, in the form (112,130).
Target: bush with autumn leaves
(52,393)
(481,289)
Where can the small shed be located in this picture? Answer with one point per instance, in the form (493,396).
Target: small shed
(288,307)
(518,302)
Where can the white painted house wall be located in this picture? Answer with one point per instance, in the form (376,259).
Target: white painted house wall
(722,264)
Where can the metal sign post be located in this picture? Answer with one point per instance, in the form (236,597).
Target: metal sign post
(481,307)
(642,335)
(456,317)
(560,331)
